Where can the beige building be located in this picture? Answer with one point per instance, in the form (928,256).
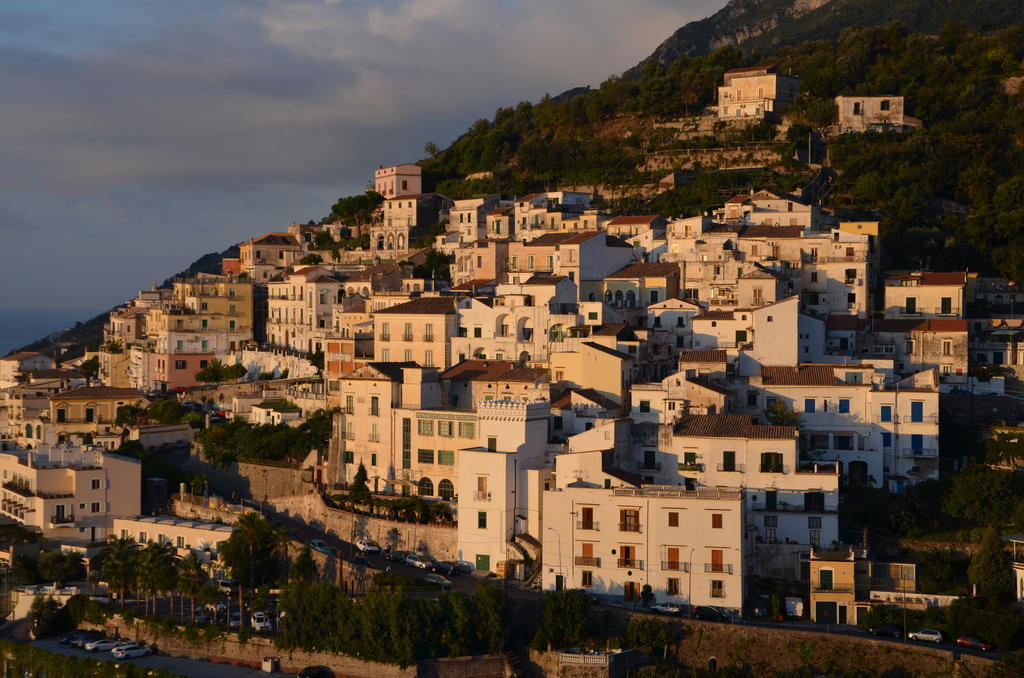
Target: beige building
(398,180)
(605,370)
(924,294)
(186,536)
(260,258)
(939,344)
(417,331)
(84,410)
(609,535)
(69,492)
(846,583)
(876,113)
(16,366)
(300,308)
(757,92)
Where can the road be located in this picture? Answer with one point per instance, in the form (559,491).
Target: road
(187,667)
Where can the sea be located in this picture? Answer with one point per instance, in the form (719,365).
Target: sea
(21,326)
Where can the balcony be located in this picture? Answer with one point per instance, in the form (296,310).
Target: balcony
(385,337)
(922,419)
(19,488)
(718,568)
(691,466)
(630,564)
(835,588)
(428,337)
(717,593)
(588,561)
(630,527)
(407,336)
(923,453)
(588,525)
(732,468)
(62,520)
(675,566)
(776,468)
(482,496)
(818,469)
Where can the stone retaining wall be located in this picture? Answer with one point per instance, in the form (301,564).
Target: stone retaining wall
(438,540)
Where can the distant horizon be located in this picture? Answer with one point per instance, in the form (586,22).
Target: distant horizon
(22,326)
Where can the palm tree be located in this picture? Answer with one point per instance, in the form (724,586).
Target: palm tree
(119,565)
(158,573)
(191,578)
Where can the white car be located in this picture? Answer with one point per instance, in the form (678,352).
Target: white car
(102,645)
(321,546)
(666,608)
(260,621)
(367,546)
(417,561)
(131,651)
(926,635)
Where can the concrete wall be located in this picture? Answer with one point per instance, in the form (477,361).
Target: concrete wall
(273,361)
(247,480)
(228,650)
(438,540)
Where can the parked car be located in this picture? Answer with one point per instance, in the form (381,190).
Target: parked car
(414,560)
(396,556)
(260,621)
(85,637)
(442,567)
(202,617)
(464,567)
(709,613)
(973,643)
(316,672)
(101,645)
(887,631)
(227,586)
(235,620)
(439,581)
(131,651)
(666,608)
(321,546)
(69,640)
(926,635)
(367,546)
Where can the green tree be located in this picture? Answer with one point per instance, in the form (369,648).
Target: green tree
(129,415)
(490,621)
(157,572)
(59,567)
(191,577)
(989,571)
(165,411)
(983,495)
(779,414)
(250,553)
(359,492)
(563,619)
(312,258)
(90,367)
(119,565)
(355,211)
(304,568)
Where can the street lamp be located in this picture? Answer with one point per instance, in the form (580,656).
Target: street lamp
(561,571)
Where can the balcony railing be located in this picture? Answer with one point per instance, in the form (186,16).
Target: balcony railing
(588,561)
(691,466)
(61,520)
(482,496)
(587,525)
(835,588)
(717,593)
(924,452)
(732,468)
(675,566)
(407,336)
(718,568)
(630,563)
(922,419)
(385,337)
(776,468)
(629,527)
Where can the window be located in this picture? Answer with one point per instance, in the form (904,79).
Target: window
(385,355)
(467,429)
(717,589)
(587,579)
(446,457)
(426,427)
(428,359)
(481,520)
(886,439)
(408,355)
(629,520)
(771,462)
(425,456)
(90,414)
(181,542)
(844,406)
(374,406)
(95,484)
(716,521)
(446,429)
(886,413)
(95,507)
(917,411)
(884,106)
(728,461)
(645,405)
(672,586)
(373,459)
(809,405)
(406,442)
(910,305)
(771,500)
(814,522)
(425,488)
(492,444)
(947,347)
(814,501)
(180,364)
(62,416)
(143,538)
(825,579)
(592,315)
(673,519)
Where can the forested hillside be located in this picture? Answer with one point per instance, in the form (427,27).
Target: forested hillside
(948,195)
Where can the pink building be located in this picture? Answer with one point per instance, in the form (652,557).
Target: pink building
(398,180)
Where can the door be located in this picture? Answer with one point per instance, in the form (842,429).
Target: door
(483,563)
(626,557)
(717,563)
(825,612)
(559,583)
(631,590)
(917,411)
(771,499)
(947,305)
(587,518)
(842,614)
(672,558)
(825,580)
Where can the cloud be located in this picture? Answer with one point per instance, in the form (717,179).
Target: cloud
(147,133)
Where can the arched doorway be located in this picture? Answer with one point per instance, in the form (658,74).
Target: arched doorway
(426,487)
(446,490)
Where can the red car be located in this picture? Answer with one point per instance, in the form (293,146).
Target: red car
(973,643)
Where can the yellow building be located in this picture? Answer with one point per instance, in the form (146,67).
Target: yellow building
(592,365)
(86,409)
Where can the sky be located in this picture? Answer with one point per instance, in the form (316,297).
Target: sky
(137,135)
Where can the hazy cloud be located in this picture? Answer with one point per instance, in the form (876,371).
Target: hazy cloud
(139,135)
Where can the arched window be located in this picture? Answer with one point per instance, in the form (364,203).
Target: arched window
(591,297)
(608,296)
(380,242)
(524,357)
(28,430)
(401,241)
(391,241)
(556,333)
(618,296)
(480,354)
(631,298)
(446,490)
(426,487)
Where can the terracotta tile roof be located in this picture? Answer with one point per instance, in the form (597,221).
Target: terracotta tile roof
(809,374)
(60,373)
(711,386)
(738,199)
(729,426)
(530,196)
(624,476)
(545,279)
(644,270)
(423,306)
(474,283)
(766,231)
(474,370)
(617,330)
(610,351)
(845,322)
(714,315)
(94,392)
(369,273)
(630,220)
(500,212)
(759,274)
(924,325)
(712,355)
(276,239)
(930,278)
(565,400)
(549,240)
(20,355)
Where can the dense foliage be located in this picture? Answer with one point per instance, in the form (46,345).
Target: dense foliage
(28,660)
(217,372)
(241,441)
(254,553)
(393,628)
